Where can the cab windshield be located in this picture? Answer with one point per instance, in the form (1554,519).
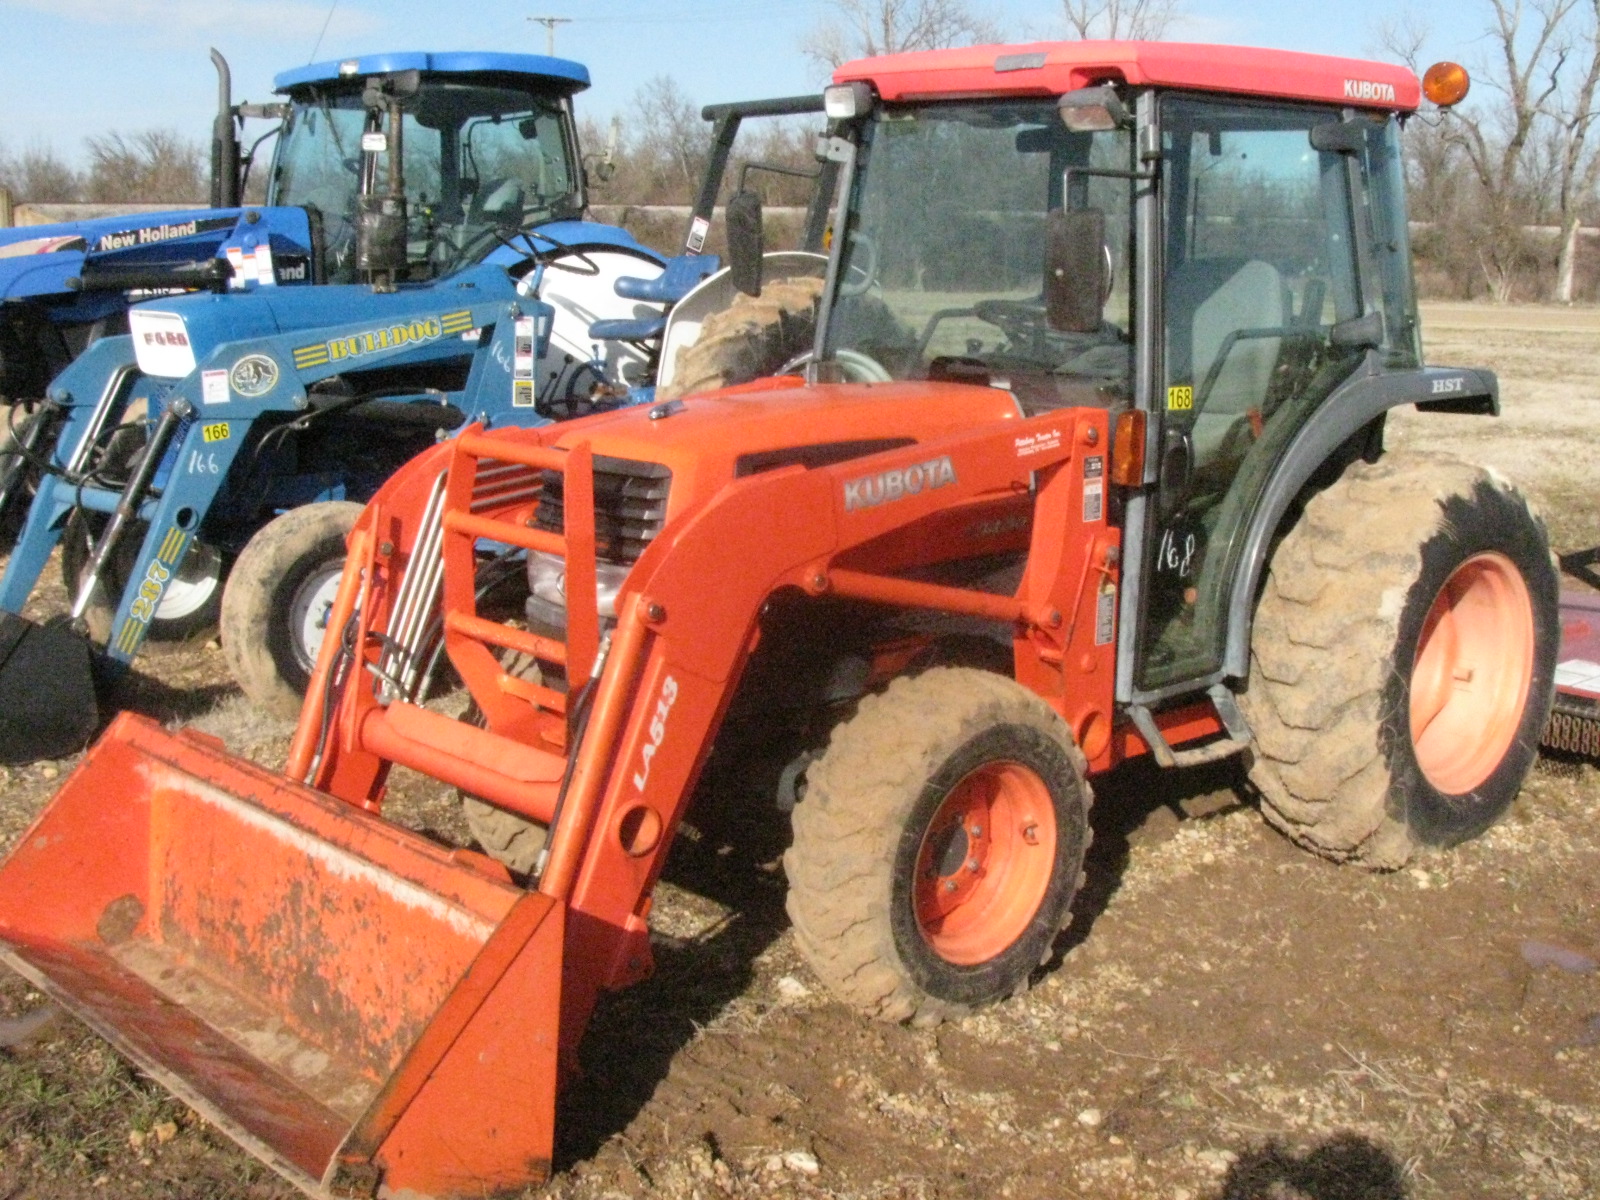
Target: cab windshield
(942,270)
(481,163)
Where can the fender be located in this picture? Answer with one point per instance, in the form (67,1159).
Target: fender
(1353,405)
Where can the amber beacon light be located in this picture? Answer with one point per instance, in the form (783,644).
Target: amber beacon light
(1446,84)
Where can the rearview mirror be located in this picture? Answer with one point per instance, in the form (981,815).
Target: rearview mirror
(1075,270)
(745,242)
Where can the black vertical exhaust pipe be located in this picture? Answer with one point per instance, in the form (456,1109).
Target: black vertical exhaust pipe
(224,140)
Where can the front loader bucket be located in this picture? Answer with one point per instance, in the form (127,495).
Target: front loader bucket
(366,1011)
(48,707)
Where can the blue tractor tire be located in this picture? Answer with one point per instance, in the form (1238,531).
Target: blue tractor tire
(275,605)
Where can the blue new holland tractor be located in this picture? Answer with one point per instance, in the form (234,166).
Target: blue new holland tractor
(483,146)
(452,186)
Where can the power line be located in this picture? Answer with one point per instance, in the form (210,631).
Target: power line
(324,32)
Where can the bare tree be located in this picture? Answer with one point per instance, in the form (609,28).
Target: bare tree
(37,176)
(1134,20)
(1572,116)
(156,165)
(671,137)
(1529,155)
(864,28)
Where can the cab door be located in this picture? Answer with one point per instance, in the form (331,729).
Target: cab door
(1258,266)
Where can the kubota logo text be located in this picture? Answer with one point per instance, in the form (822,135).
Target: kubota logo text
(897,485)
(658,731)
(1366,89)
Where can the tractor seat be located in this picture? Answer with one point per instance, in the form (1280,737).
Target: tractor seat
(682,275)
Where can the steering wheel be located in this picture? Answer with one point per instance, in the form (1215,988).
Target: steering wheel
(1022,321)
(863,268)
(858,367)
(551,257)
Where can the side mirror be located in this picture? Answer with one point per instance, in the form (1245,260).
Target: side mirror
(745,242)
(1075,270)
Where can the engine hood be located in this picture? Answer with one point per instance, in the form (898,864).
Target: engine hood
(265,245)
(709,439)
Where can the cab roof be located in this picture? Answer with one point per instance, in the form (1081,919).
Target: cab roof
(1052,68)
(559,74)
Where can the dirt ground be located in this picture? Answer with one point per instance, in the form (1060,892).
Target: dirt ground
(1227,1017)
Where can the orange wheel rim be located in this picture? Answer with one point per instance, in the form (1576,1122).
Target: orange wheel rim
(1469,683)
(985,863)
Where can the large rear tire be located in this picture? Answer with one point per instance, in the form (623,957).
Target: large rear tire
(939,846)
(274,610)
(753,337)
(1402,660)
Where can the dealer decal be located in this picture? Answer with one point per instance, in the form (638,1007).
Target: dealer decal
(886,486)
(1037,443)
(386,337)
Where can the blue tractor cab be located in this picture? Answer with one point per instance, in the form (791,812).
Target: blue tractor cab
(451,151)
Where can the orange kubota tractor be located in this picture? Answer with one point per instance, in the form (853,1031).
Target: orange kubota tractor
(1086,462)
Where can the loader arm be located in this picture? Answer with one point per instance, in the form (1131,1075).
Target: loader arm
(615,784)
(200,466)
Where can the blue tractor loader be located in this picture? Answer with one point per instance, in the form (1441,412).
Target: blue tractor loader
(484,145)
(194,451)
(468,199)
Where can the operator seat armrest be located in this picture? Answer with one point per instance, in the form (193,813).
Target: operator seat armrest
(682,275)
(626,329)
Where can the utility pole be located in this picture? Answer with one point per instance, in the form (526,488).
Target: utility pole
(550,24)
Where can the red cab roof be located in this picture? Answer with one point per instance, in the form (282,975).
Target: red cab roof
(1051,68)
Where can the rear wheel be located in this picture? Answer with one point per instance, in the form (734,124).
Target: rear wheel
(275,609)
(751,338)
(939,845)
(1402,660)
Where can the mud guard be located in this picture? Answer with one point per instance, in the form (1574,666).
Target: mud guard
(366,1011)
(48,705)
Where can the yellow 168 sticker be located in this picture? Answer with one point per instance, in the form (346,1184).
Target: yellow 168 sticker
(1180,398)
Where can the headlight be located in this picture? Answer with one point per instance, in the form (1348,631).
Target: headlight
(847,101)
(161,343)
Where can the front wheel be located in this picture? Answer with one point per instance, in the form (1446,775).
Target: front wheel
(1402,660)
(191,601)
(939,846)
(275,609)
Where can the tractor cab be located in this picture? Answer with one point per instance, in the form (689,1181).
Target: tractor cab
(1167,232)
(420,164)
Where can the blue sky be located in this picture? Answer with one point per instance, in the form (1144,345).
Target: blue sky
(73,68)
